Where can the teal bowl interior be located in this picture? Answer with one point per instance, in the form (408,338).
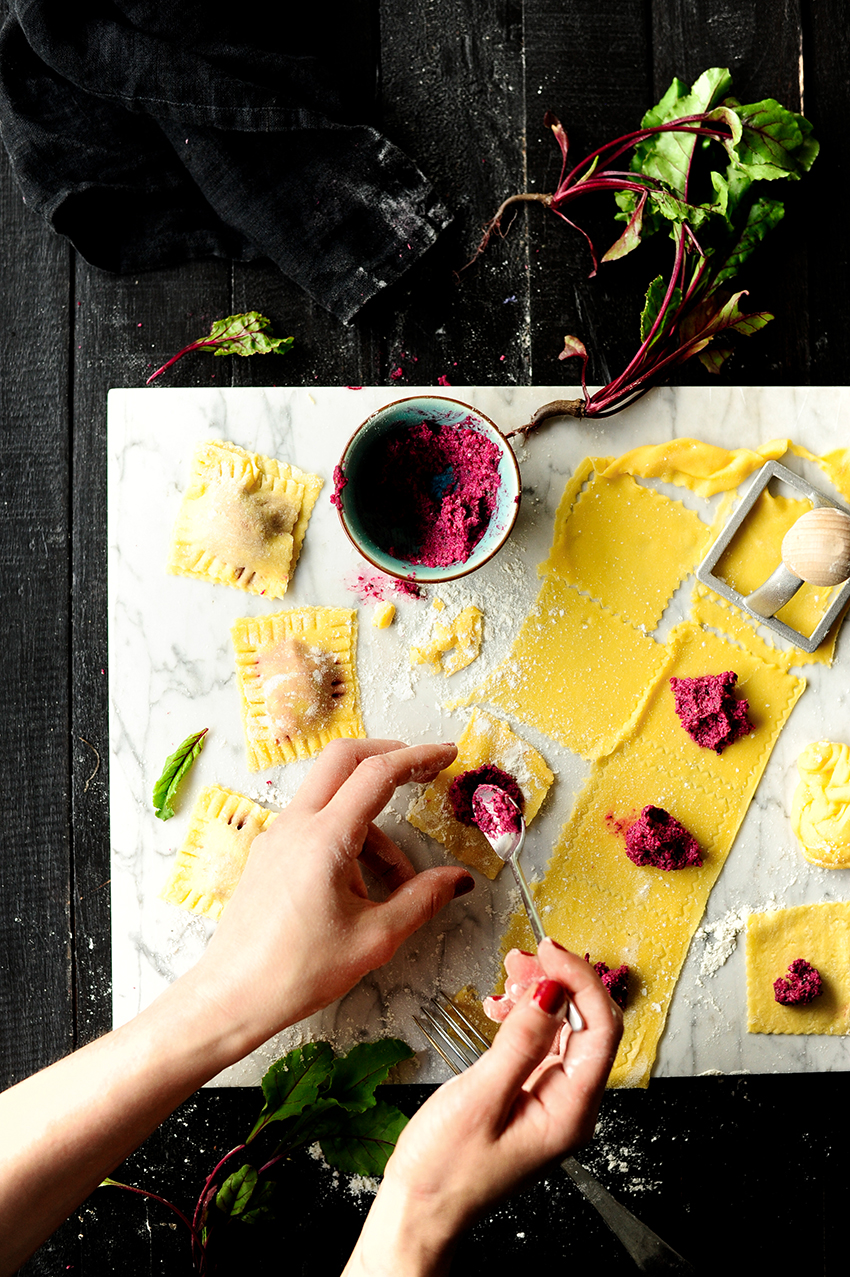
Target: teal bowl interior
(357,466)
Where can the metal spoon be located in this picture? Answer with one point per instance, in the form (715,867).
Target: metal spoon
(507,845)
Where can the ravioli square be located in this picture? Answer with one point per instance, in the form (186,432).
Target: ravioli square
(627,546)
(243,519)
(221,830)
(576,671)
(819,933)
(485,739)
(297,682)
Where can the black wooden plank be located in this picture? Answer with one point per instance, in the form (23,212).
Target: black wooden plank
(453,98)
(826,96)
(36,1001)
(589,63)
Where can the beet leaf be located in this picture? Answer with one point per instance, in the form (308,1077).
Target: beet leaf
(235,335)
(694,170)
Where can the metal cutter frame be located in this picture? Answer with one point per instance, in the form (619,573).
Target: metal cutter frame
(705,573)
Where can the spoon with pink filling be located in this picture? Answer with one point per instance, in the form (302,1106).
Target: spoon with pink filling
(502,824)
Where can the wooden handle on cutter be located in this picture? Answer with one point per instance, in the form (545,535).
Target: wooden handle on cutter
(817,547)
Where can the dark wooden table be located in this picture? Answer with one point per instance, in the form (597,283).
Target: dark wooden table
(740,1173)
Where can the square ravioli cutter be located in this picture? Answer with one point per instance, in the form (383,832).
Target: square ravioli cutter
(775,592)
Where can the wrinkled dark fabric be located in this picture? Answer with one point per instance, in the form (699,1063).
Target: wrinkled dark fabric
(150,134)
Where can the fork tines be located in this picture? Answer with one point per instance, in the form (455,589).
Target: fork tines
(453,1036)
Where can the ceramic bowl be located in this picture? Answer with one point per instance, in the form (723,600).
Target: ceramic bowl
(356,467)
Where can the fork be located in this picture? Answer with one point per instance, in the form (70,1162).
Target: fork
(455,1038)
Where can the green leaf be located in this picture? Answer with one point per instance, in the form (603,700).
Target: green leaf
(235,1193)
(177,766)
(365,1141)
(245,335)
(355,1076)
(667,156)
(774,142)
(762,216)
(294,1082)
(655,295)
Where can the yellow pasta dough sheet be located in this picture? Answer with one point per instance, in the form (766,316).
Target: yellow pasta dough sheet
(243,519)
(627,546)
(576,671)
(221,830)
(297,681)
(485,739)
(594,900)
(820,933)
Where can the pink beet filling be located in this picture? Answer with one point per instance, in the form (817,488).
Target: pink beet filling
(432,492)
(616,981)
(800,986)
(464,786)
(709,711)
(657,839)
(496,815)
(339,483)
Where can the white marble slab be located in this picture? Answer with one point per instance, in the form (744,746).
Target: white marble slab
(171,673)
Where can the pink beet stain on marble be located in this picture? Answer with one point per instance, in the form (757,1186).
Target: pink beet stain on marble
(377,588)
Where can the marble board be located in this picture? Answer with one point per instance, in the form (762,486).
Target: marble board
(171,673)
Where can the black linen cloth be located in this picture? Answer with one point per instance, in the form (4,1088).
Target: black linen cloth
(150,133)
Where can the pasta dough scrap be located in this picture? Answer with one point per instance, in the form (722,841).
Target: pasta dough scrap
(714,612)
(690,463)
(450,648)
(820,811)
(627,546)
(576,671)
(592,898)
(485,739)
(297,682)
(820,933)
(243,519)
(221,830)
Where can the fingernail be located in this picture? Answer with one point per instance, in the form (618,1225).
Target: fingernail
(463,886)
(526,954)
(551,997)
(558,946)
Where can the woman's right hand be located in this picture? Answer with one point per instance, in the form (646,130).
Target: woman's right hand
(487,1132)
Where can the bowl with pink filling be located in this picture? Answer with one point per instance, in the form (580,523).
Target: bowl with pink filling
(427,489)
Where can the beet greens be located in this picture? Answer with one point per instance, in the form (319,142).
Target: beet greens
(697,168)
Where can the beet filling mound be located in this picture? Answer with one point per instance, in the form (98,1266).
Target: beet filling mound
(800,986)
(464,786)
(656,838)
(709,710)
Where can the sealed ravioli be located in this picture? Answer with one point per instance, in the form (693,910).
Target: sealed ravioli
(297,681)
(243,519)
(223,826)
(485,742)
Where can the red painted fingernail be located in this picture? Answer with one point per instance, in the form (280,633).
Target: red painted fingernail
(551,997)
(463,885)
(559,946)
(526,954)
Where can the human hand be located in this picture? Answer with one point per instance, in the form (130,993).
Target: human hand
(300,929)
(485,1133)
